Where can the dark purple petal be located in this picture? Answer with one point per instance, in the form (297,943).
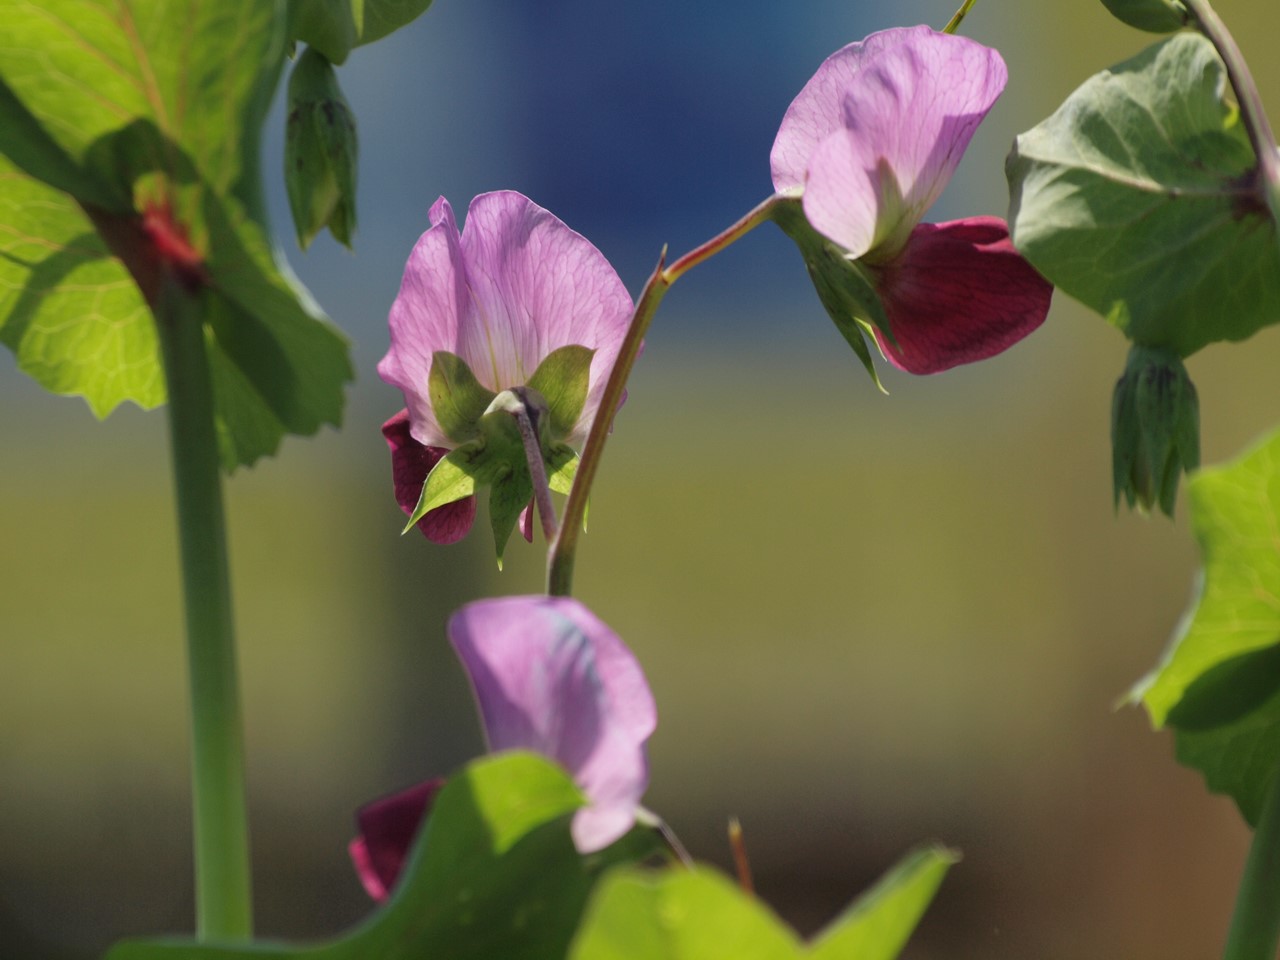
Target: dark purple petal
(388,827)
(410,464)
(958,292)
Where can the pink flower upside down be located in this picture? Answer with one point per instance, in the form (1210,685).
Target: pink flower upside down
(513,286)
(551,677)
(869,144)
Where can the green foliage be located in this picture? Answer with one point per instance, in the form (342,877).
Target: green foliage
(700,915)
(137,115)
(846,293)
(563,378)
(1141,198)
(1218,685)
(494,874)
(335,27)
(1155,16)
(320,152)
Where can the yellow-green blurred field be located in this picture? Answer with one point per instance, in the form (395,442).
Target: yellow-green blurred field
(868,621)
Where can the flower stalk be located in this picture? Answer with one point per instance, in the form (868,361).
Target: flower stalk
(561,557)
(958,17)
(1252,111)
(223,901)
(528,428)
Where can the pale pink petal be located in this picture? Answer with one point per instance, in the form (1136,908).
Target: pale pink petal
(536,286)
(906,119)
(549,676)
(957,293)
(818,109)
(410,464)
(388,827)
(425,317)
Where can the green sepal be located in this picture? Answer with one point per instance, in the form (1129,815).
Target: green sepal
(1141,197)
(320,152)
(562,467)
(563,378)
(336,27)
(842,285)
(455,477)
(1154,16)
(457,397)
(509,494)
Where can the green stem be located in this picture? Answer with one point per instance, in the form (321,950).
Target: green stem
(223,904)
(954,23)
(1252,111)
(1255,925)
(561,557)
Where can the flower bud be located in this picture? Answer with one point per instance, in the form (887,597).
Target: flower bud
(1155,428)
(320,152)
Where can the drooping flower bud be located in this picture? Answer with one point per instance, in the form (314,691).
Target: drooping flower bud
(320,152)
(1155,428)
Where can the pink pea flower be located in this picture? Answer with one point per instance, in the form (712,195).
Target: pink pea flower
(551,677)
(513,286)
(869,144)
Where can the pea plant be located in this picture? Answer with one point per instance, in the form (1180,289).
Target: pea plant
(136,266)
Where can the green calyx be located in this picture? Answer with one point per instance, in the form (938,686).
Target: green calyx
(1155,429)
(843,286)
(320,152)
(490,451)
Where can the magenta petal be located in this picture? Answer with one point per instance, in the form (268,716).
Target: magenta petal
(388,827)
(957,293)
(549,676)
(410,464)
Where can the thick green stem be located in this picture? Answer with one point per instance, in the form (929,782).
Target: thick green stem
(1255,925)
(563,551)
(223,900)
(1252,111)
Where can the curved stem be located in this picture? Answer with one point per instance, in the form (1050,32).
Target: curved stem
(223,904)
(1252,111)
(560,559)
(537,469)
(958,17)
(1255,925)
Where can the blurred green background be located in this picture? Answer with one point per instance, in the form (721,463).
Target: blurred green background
(868,621)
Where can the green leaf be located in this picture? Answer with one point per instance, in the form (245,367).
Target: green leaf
(69,311)
(320,152)
(878,924)
(493,874)
(700,915)
(1139,198)
(455,477)
(335,27)
(1218,683)
(153,108)
(1155,16)
(563,378)
(457,397)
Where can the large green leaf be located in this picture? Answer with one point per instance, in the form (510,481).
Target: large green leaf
(494,874)
(152,107)
(700,915)
(1218,684)
(1138,197)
